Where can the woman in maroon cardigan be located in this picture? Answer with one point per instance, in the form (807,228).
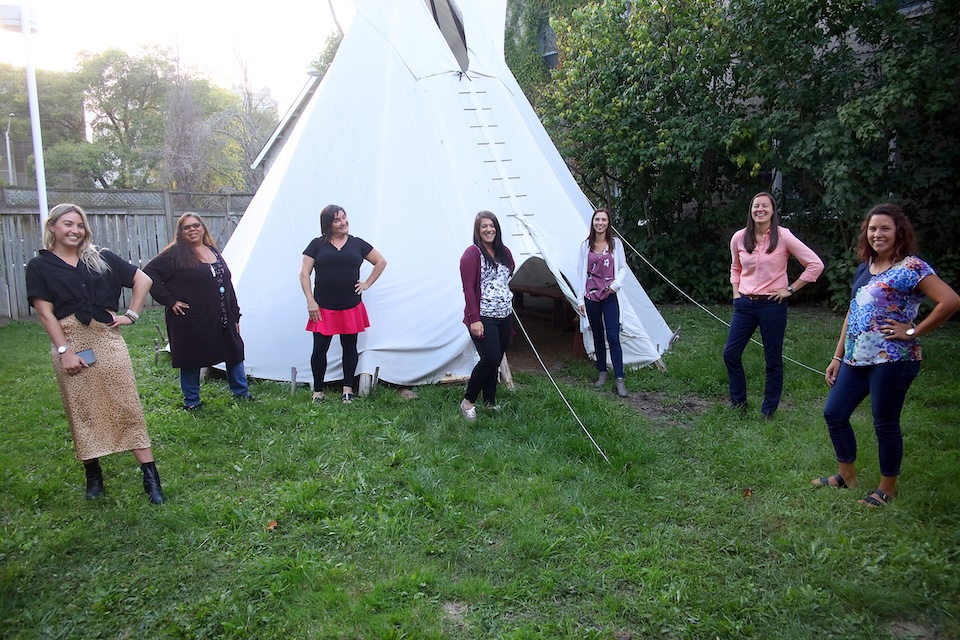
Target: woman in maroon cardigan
(191,279)
(485,269)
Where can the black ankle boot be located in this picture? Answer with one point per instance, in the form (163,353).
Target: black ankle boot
(94,478)
(151,482)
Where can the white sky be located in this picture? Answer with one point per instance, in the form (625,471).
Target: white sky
(277,39)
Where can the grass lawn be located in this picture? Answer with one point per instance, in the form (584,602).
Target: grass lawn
(393,518)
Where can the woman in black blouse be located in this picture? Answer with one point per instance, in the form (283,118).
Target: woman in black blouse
(75,288)
(334,302)
(191,279)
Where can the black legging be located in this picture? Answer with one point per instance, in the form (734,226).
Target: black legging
(318,361)
(491,347)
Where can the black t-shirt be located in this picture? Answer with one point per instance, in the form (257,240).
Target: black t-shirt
(78,290)
(335,273)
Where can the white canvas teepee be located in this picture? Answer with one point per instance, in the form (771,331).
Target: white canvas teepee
(412,144)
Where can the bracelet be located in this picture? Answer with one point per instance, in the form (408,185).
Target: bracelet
(133,315)
(838,358)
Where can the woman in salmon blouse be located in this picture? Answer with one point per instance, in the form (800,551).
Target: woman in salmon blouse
(758,273)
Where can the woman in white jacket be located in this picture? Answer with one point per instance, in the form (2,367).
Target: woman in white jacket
(602,269)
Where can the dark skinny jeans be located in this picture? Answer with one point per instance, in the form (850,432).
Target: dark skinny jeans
(604,318)
(771,317)
(887,384)
(490,348)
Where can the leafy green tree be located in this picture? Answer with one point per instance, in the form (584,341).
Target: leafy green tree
(675,113)
(642,104)
(857,107)
(154,125)
(325,59)
(60,99)
(125,98)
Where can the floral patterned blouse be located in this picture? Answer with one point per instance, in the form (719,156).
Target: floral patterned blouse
(496,299)
(892,295)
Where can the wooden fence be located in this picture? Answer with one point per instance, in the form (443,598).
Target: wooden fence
(135,225)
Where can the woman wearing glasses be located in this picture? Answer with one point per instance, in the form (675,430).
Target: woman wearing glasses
(191,279)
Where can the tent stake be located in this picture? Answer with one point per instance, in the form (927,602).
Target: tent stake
(505,373)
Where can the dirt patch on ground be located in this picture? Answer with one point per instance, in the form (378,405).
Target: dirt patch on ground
(912,631)
(456,614)
(558,347)
(664,410)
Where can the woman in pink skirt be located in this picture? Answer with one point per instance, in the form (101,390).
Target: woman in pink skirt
(334,302)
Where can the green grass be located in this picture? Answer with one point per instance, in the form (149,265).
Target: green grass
(395,519)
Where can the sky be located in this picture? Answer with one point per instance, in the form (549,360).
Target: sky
(276,39)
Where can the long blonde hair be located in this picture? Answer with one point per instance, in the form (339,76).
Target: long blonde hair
(89,252)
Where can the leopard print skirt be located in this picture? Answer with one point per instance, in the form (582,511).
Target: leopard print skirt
(101,401)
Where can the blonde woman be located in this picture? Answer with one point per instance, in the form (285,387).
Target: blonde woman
(75,288)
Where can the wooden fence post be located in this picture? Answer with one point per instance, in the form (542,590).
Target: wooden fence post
(168,211)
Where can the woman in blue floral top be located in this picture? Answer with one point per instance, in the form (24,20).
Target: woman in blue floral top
(878,353)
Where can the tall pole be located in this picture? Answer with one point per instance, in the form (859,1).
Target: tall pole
(27,25)
(34,118)
(334,14)
(11,170)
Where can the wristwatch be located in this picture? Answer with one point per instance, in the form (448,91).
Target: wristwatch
(790,288)
(62,349)
(912,330)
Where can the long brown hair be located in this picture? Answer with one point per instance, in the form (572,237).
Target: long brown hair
(181,253)
(750,237)
(499,249)
(89,252)
(607,235)
(905,242)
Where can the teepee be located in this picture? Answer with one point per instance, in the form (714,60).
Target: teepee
(417,125)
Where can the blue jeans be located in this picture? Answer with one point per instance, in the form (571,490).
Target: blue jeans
(604,317)
(771,317)
(490,348)
(887,385)
(190,383)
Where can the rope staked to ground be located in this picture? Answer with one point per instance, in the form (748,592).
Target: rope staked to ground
(557,387)
(702,308)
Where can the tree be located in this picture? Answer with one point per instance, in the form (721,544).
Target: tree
(245,127)
(325,59)
(125,98)
(675,113)
(642,105)
(60,100)
(186,139)
(155,125)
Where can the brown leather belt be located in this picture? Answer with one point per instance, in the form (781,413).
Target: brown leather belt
(750,296)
